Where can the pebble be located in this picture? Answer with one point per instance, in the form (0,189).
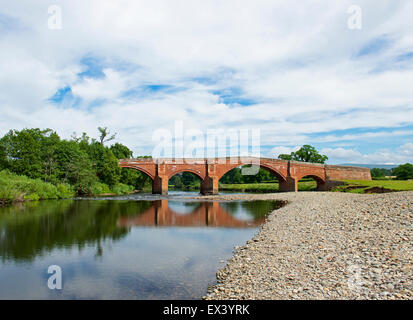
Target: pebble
(325,245)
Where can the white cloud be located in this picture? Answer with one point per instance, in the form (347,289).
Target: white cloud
(276,151)
(297,60)
(402,154)
(108,87)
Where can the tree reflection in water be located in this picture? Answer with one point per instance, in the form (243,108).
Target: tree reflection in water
(34,229)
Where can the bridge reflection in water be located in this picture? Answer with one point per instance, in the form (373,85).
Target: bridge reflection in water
(210,214)
(172,253)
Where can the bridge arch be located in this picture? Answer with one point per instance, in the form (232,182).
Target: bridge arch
(195,172)
(315,176)
(139,169)
(274,172)
(280,177)
(185,179)
(282,180)
(318,179)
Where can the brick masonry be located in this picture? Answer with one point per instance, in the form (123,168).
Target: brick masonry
(210,171)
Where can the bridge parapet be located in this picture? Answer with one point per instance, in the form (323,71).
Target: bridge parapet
(347,173)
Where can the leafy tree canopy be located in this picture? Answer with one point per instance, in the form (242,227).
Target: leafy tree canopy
(121,151)
(29,152)
(81,161)
(306,153)
(284,156)
(404,171)
(380,172)
(104,135)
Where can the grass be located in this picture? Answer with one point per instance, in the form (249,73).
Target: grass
(360,186)
(20,188)
(353,186)
(304,185)
(249,187)
(16,188)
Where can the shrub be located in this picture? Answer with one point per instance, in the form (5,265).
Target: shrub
(8,194)
(100,188)
(32,197)
(121,188)
(65,191)
(15,187)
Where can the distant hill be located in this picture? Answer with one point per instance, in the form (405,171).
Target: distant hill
(370,166)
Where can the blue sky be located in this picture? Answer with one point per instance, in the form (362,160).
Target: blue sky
(293,70)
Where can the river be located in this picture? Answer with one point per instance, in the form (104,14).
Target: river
(131,247)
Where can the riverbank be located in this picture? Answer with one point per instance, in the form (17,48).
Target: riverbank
(352,186)
(325,246)
(265,187)
(375,186)
(17,188)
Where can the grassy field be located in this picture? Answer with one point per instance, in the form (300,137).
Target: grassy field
(360,186)
(265,187)
(249,187)
(354,186)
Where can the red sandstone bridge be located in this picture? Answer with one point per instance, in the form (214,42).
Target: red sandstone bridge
(210,214)
(210,171)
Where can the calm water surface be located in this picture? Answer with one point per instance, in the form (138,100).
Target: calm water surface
(132,247)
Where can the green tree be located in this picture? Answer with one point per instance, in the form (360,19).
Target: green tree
(104,133)
(404,171)
(121,151)
(176,181)
(284,156)
(29,151)
(135,178)
(75,167)
(189,179)
(105,163)
(81,162)
(232,177)
(306,153)
(50,142)
(379,172)
(143,181)
(83,140)
(130,177)
(264,176)
(3,157)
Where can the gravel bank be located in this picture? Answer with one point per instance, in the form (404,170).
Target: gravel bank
(325,245)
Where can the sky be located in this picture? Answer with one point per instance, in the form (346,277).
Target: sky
(298,71)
